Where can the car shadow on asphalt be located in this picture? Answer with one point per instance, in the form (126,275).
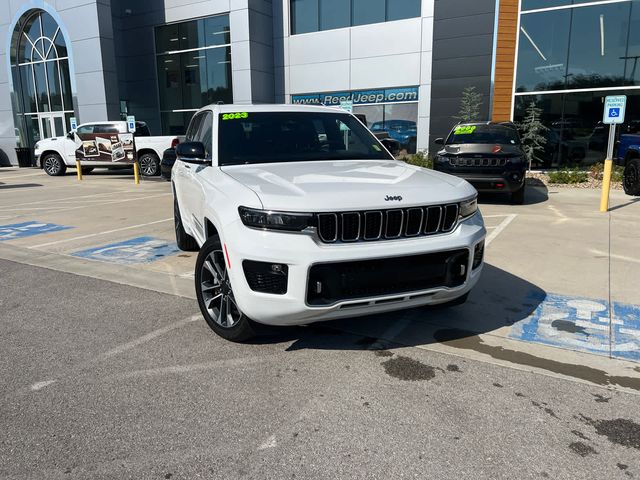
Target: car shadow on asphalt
(533,195)
(499,300)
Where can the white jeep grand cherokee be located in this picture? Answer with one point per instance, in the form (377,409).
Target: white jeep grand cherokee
(301,215)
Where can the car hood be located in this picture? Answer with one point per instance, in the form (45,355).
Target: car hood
(484,149)
(323,186)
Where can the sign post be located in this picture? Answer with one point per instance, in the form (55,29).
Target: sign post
(614,110)
(131,127)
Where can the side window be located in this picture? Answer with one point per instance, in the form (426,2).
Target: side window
(205,132)
(193,128)
(84,129)
(106,129)
(142,130)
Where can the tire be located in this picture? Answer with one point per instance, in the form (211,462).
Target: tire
(215,295)
(149,165)
(631,178)
(517,197)
(86,170)
(53,165)
(185,242)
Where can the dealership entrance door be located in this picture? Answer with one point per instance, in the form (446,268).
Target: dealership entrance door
(51,125)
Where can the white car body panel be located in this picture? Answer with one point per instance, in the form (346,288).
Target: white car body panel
(213,194)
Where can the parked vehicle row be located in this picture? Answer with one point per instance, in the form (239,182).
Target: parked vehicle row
(55,155)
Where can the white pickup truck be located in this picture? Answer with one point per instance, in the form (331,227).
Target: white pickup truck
(301,215)
(54,155)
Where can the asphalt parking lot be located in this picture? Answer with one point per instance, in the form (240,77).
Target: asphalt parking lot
(110,372)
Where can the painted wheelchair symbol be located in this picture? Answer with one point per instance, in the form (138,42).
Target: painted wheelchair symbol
(583,324)
(136,250)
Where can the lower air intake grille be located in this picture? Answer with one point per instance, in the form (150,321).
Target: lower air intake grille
(334,282)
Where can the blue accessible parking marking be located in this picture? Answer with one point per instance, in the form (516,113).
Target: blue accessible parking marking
(583,324)
(129,252)
(28,229)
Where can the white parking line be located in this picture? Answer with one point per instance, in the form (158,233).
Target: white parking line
(148,337)
(22,176)
(40,385)
(498,230)
(617,257)
(106,232)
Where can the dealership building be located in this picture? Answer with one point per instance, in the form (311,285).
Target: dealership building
(401,63)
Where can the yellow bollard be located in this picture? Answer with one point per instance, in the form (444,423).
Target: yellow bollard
(606,185)
(79,170)
(136,173)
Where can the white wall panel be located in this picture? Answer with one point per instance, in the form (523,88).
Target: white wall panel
(318,77)
(391,38)
(390,71)
(329,46)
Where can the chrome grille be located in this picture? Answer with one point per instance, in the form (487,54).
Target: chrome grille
(477,162)
(387,224)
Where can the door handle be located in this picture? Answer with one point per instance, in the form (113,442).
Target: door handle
(186,165)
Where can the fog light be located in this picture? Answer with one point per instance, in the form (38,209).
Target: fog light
(266,277)
(478,254)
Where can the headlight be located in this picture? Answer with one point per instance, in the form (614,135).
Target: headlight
(268,220)
(468,208)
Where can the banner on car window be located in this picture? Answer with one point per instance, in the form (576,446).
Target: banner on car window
(359,97)
(105,147)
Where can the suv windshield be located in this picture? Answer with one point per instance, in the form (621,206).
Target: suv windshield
(274,137)
(490,134)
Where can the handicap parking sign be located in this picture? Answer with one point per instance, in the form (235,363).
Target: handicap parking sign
(130,252)
(614,107)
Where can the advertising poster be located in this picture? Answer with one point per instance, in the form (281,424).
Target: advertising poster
(105,147)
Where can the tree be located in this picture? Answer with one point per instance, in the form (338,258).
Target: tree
(532,132)
(469,105)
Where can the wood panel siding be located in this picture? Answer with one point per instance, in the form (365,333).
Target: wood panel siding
(505,60)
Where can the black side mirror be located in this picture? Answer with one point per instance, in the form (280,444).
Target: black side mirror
(192,152)
(439,141)
(71,135)
(391,145)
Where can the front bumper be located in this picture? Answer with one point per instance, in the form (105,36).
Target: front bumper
(507,180)
(301,251)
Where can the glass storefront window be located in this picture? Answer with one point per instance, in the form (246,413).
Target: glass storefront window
(632,57)
(201,76)
(368,11)
(216,30)
(542,55)
(398,120)
(401,9)
(334,14)
(576,134)
(314,15)
(304,16)
(598,46)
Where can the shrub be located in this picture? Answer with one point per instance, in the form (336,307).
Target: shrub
(597,169)
(420,159)
(569,175)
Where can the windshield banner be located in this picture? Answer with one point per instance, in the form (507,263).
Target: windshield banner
(359,97)
(105,147)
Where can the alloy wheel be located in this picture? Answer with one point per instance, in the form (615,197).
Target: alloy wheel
(148,166)
(217,292)
(51,165)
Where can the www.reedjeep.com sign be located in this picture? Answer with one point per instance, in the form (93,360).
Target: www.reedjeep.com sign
(358,97)
(105,147)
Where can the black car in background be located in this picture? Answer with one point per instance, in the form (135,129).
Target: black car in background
(166,164)
(488,155)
